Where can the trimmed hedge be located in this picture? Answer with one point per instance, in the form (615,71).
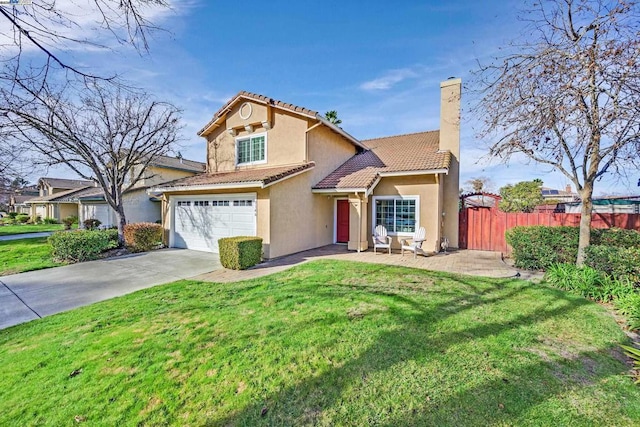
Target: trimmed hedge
(539,247)
(241,252)
(82,245)
(142,236)
(623,262)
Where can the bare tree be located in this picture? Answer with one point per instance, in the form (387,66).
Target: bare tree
(35,41)
(107,135)
(569,97)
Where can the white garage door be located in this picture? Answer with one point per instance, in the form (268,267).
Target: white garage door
(199,221)
(100,211)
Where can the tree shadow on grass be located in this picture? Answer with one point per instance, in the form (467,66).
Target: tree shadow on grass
(493,400)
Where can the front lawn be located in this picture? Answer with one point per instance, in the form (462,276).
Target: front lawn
(7,230)
(17,256)
(325,343)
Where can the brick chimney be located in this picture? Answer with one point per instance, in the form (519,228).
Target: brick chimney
(569,189)
(450,93)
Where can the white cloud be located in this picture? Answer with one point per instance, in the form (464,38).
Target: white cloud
(389,79)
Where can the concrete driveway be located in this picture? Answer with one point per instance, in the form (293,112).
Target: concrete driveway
(28,296)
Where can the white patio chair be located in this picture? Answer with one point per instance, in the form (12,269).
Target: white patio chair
(380,239)
(415,243)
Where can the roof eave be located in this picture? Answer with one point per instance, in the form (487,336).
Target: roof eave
(340,131)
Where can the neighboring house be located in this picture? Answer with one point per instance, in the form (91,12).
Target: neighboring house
(138,205)
(53,201)
(18,200)
(626,205)
(60,198)
(559,196)
(288,175)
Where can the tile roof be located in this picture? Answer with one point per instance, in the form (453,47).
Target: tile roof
(261,99)
(66,183)
(401,153)
(177,163)
(63,196)
(265,176)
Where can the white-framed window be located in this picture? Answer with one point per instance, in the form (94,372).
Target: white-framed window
(242,202)
(184,203)
(398,214)
(251,149)
(219,203)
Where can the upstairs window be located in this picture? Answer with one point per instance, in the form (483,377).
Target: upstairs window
(251,150)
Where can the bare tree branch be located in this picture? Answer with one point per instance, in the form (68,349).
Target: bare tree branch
(569,96)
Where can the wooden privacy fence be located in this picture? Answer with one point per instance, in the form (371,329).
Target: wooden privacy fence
(483,228)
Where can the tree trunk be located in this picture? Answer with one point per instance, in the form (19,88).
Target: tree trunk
(122,220)
(585,222)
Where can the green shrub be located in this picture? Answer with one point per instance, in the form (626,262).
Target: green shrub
(22,218)
(587,282)
(69,221)
(539,247)
(82,245)
(621,263)
(634,354)
(91,223)
(240,253)
(629,306)
(142,236)
(13,215)
(616,237)
(50,221)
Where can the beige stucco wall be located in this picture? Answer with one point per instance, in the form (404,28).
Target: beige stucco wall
(429,192)
(138,207)
(66,210)
(285,139)
(450,94)
(300,219)
(156,175)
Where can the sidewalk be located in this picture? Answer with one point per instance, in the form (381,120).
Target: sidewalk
(474,263)
(26,236)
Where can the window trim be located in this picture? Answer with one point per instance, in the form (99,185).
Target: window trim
(249,137)
(401,197)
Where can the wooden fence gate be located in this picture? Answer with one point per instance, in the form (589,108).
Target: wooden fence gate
(483,227)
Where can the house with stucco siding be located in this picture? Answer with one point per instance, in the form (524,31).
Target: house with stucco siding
(60,198)
(286,174)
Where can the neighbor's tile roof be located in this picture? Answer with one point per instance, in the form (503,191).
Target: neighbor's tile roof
(181,164)
(63,196)
(66,183)
(263,175)
(401,153)
(261,99)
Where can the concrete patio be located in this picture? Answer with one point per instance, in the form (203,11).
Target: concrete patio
(475,263)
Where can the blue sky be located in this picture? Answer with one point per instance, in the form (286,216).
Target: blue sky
(378,63)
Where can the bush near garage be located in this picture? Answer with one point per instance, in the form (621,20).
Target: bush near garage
(69,221)
(82,245)
(48,220)
(142,236)
(91,223)
(241,252)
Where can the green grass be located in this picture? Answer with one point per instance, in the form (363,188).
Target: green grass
(7,230)
(17,256)
(326,343)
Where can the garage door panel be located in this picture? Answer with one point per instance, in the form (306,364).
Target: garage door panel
(199,221)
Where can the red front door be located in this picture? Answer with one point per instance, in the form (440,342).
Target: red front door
(342,221)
